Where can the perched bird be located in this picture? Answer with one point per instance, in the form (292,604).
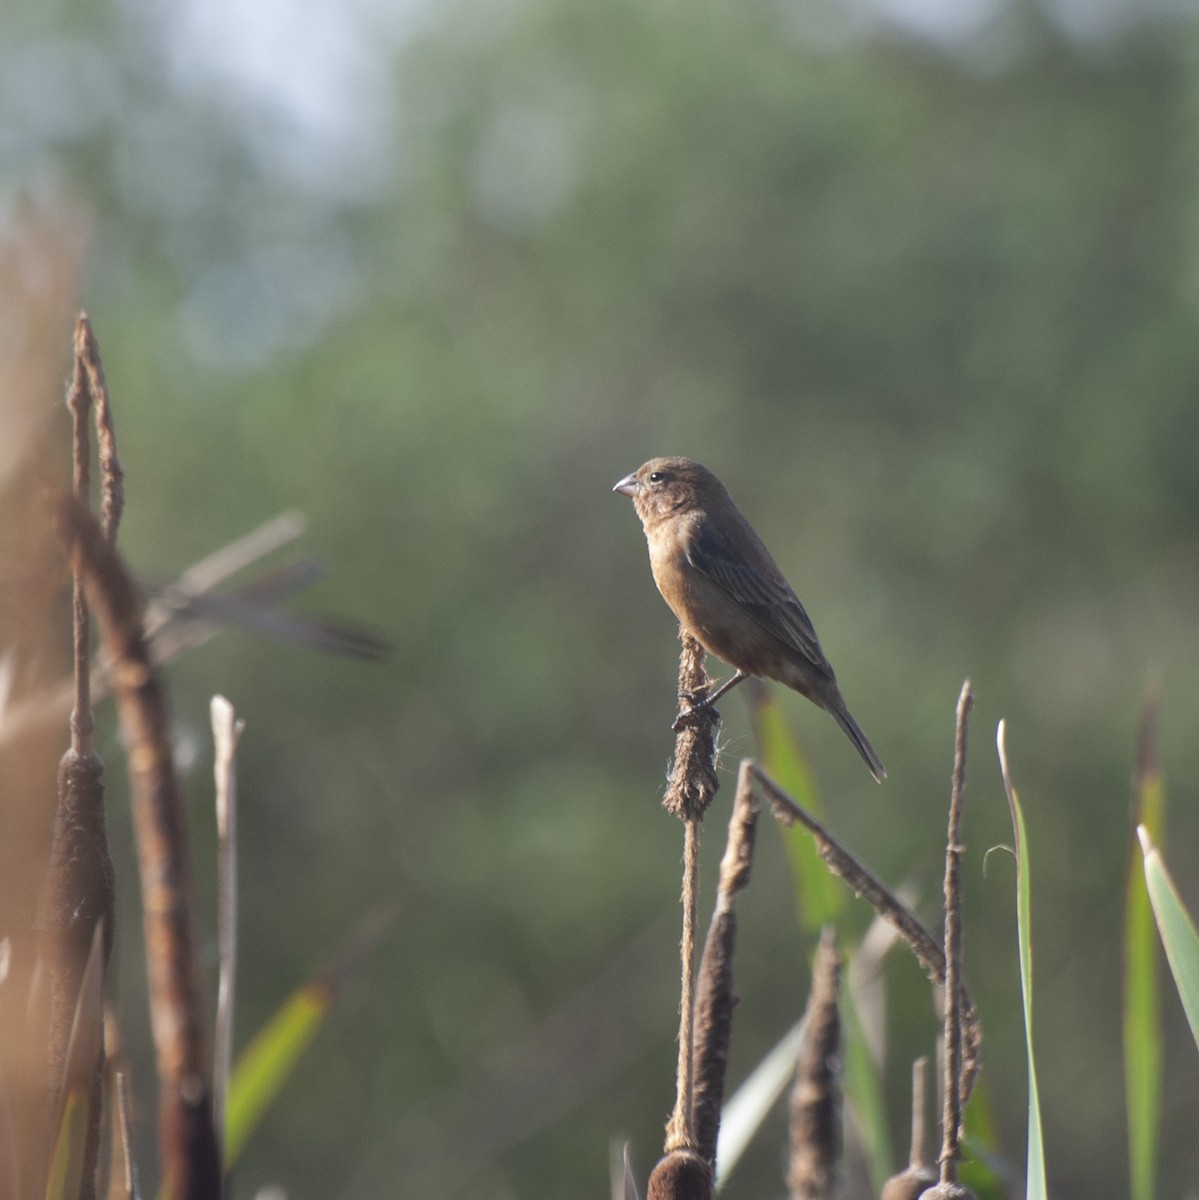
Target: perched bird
(719,579)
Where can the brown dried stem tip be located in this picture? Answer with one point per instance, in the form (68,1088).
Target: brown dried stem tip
(188,1142)
(816,1097)
(112,474)
(952,1119)
(866,885)
(714,1001)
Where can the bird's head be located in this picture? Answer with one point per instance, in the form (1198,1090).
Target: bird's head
(665,487)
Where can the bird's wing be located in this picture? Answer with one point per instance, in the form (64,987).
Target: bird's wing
(761,592)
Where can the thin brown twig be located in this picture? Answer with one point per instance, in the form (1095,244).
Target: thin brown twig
(865,884)
(951,1132)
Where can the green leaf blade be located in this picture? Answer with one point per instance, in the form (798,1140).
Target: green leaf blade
(265,1064)
(1176,928)
(819,898)
(1142,1005)
(1036,1184)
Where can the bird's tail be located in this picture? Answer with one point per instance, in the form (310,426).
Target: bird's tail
(854,732)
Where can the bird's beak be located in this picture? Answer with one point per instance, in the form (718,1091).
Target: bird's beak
(630,485)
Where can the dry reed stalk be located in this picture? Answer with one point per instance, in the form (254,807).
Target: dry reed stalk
(226,731)
(951,1124)
(79,891)
(691,788)
(917,1176)
(816,1097)
(866,885)
(715,1001)
(190,1158)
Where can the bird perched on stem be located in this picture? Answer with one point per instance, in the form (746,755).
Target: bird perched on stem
(726,590)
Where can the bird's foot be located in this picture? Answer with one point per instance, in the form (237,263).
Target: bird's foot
(697,706)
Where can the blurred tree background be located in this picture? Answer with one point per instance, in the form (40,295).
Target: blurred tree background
(918,279)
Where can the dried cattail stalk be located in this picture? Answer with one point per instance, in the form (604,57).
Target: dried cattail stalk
(715,1001)
(816,1097)
(691,788)
(78,902)
(189,1149)
(680,1175)
(693,784)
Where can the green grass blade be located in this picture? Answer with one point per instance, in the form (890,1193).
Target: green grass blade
(1036,1186)
(263,1067)
(820,898)
(1142,1003)
(1176,928)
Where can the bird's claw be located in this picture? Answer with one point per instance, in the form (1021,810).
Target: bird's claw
(689,716)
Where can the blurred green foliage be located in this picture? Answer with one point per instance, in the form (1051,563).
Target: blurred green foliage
(439,277)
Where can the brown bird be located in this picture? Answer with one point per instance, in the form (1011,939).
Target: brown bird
(726,590)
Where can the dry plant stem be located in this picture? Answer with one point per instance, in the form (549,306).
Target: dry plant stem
(916,1155)
(929,954)
(226,731)
(816,1097)
(79,402)
(679,1132)
(952,1120)
(188,1143)
(123,1186)
(714,1000)
(917,1177)
(690,789)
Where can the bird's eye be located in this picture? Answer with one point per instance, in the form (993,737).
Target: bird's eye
(656,476)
